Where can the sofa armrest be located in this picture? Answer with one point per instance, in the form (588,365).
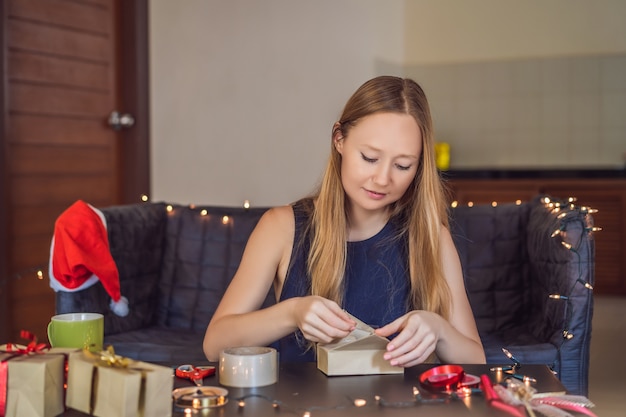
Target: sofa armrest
(561,278)
(136,237)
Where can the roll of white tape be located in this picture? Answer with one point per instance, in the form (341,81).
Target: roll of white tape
(246,367)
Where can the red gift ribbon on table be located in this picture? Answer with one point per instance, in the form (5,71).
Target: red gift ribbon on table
(493,399)
(31,348)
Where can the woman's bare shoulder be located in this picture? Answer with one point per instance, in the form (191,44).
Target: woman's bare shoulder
(272,240)
(279,216)
(276,227)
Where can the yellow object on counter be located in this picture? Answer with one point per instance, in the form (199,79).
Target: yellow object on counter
(442,155)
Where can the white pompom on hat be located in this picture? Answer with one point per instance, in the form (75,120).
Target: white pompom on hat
(80,255)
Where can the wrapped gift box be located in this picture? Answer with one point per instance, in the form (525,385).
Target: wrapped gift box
(137,389)
(359,353)
(35,382)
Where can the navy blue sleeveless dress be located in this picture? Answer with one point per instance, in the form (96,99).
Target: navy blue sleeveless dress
(376,281)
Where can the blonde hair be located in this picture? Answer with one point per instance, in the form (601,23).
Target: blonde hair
(422,211)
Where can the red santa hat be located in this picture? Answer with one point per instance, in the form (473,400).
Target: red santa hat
(80,255)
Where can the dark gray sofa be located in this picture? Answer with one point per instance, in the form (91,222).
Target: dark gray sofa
(176,261)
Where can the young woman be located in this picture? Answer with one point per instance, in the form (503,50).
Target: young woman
(373,241)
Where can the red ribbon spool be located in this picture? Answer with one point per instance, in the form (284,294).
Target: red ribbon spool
(442,378)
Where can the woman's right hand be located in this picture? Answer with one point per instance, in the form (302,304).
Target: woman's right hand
(322,320)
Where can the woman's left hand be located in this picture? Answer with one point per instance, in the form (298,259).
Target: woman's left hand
(416,340)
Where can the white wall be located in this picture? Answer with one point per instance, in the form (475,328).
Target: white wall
(523,84)
(453,31)
(244,93)
(540,113)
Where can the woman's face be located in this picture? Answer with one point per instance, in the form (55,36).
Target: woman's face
(379,160)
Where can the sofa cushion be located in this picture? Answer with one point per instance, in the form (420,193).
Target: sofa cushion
(491,242)
(202,253)
(175,346)
(526,349)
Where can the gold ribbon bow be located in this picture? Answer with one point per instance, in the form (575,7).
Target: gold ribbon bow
(108,358)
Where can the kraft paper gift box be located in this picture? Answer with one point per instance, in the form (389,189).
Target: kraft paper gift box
(359,353)
(139,389)
(35,382)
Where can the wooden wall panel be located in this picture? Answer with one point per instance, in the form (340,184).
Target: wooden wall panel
(57,160)
(60,71)
(33,221)
(41,129)
(42,190)
(61,79)
(53,100)
(6,326)
(474,191)
(29,285)
(106,4)
(61,88)
(31,313)
(31,36)
(64,13)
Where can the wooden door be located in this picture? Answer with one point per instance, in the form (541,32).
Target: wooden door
(63,78)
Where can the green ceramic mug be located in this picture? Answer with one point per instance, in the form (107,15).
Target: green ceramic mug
(77,330)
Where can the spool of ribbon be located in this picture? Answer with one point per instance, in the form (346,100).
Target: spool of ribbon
(442,378)
(199,398)
(449,379)
(246,367)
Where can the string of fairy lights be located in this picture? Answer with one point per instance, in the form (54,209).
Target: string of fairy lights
(417,399)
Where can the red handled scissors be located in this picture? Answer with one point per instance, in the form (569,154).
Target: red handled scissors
(195,373)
